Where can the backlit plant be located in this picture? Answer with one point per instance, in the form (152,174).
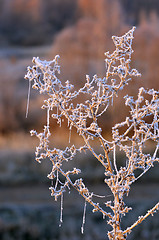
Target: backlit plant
(130,136)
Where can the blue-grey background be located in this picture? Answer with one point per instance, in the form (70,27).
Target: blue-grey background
(80,31)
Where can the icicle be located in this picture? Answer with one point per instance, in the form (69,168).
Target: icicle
(70,136)
(114,156)
(48,116)
(154,155)
(61,213)
(155,125)
(28,99)
(112,100)
(84,217)
(57,180)
(57,111)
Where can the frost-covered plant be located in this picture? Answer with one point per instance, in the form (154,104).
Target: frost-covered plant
(130,136)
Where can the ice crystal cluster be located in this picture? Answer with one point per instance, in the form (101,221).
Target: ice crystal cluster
(130,136)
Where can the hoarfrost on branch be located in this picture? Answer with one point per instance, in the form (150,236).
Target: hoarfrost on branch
(129,136)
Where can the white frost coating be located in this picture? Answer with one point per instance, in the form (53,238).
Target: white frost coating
(130,136)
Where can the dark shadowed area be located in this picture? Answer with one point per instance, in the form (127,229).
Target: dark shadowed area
(80,32)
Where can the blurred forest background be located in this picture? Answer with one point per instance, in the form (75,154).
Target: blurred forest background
(80,32)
